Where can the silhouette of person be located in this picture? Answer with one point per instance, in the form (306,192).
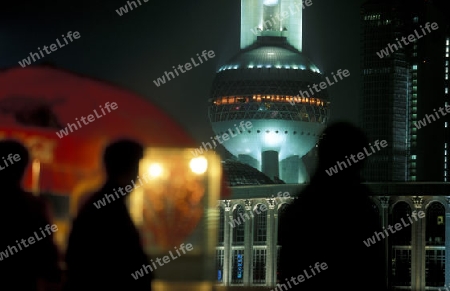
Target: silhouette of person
(29,258)
(322,231)
(104,247)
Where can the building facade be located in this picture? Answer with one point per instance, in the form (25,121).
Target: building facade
(416,257)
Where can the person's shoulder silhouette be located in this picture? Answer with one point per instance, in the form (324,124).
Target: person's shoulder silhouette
(322,225)
(104,246)
(27,261)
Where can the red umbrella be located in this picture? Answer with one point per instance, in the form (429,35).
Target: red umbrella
(36,103)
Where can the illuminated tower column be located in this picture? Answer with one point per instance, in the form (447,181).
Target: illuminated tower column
(293,22)
(290,169)
(269,164)
(251,15)
(262,17)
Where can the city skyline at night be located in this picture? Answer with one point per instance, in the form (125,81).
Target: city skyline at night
(237,93)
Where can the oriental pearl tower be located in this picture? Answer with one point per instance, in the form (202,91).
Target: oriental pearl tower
(268,83)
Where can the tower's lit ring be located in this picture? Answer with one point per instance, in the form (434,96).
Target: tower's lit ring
(259,85)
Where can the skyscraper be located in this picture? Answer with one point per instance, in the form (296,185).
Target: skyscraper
(385,90)
(431,64)
(403,85)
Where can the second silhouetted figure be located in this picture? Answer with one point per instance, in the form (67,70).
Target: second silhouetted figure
(322,232)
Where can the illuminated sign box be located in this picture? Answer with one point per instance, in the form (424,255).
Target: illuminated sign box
(176,205)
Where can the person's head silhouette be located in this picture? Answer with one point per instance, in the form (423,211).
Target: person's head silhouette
(14,158)
(339,141)
(121,161)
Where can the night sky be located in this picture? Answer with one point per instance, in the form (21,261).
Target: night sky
(134,49)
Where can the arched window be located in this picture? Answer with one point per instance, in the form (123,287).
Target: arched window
(260,225)
(281,213)
(221,235)
(239,220)
(400,214)
(259,266)
(399,244)
(435,240)
(219,264)
(259,239)
(435,228)
(237,273)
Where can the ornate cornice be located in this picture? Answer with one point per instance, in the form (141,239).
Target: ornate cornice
(227,204)
(271,203)
(418,201)
(384,201)
(248,204)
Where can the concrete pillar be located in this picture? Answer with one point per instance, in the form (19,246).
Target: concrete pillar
(293,170)
(271,253)
(227,239)
(290,169)
(248,245)
(418,249)
(303,176)
(447,243)
(384,213)
(269,164)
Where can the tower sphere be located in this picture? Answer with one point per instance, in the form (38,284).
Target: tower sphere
(275,87)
